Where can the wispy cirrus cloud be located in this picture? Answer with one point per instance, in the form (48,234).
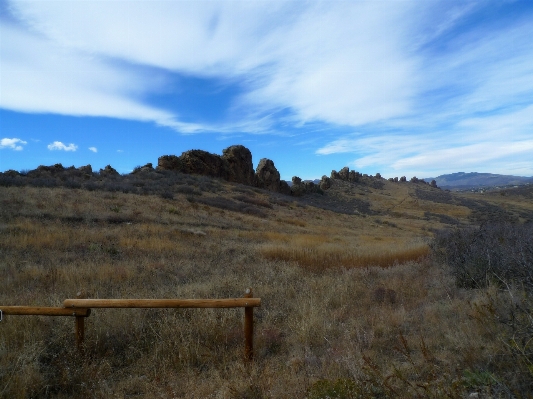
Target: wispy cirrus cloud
(59,146)
(411,78)
(340,62)
(501,141)
(93,149)
(14,144)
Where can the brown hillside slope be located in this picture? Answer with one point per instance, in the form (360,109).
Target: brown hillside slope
(330,319)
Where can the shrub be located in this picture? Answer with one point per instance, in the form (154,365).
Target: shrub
(72,184)
(498,253)
(167,195)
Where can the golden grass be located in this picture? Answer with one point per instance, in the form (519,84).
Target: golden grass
(419,341)
(325,256)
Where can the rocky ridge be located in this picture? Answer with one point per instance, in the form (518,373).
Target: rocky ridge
(234,165)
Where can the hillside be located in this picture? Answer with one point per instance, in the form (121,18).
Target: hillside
(467,181)
(353,301)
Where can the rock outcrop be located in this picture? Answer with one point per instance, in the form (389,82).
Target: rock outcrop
(346,174)
(86,170)
(267,176)
(234,165)
(239,164)
(143,169)
(200,162)
(300,187)
(170,162)
(46,171)
(108,171)
(325,183)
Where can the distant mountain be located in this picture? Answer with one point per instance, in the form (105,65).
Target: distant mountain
(473,180)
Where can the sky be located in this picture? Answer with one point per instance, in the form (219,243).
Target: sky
(404,88)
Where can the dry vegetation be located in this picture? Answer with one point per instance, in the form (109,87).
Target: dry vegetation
(353,305)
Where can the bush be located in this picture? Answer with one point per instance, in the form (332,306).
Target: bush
(498,253)
(167,195)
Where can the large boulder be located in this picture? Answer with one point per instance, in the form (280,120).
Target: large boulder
(201,162)
(170,162)
(325,183)
(335,174)
(298,187)
(238,160)
(344,173)
(354,176)
(267,176)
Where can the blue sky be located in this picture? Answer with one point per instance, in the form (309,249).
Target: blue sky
(415,88)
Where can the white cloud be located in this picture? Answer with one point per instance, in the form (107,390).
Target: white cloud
(14,144)
(336,62)
(348,63)
(59,146)
(38,75)
(93,149)
(416,85)
(499,144)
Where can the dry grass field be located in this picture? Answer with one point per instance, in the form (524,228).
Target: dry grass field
(353,303)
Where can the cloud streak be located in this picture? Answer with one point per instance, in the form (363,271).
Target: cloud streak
(416,83)
(59,146)
(336,62)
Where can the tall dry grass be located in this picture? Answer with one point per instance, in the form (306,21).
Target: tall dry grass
(402,331)
(319,252)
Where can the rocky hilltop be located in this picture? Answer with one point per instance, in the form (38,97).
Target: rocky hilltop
(234,165)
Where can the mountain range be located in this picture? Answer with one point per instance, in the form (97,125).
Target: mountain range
(474,180)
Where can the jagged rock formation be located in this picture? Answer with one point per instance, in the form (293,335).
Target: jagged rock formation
(108,171)
(170,162)
(86,170)
(143,169)
(297,188)
(240,166)
(200,162)
(267,176)
(345,174)
(234,165)
(196,162)
(300,187)
(46,171)
(325,183)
